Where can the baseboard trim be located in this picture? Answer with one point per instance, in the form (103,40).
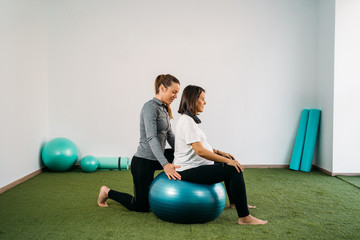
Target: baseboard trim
(333,174)
(324,170)
(21,180)
(347,174)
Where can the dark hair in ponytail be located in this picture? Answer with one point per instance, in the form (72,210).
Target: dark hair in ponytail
(188,99)
(166,80)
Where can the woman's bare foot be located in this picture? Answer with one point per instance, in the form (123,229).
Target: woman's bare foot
(233,206)
(103,196)
(250,220)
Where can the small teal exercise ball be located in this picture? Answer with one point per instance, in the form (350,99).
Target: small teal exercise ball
(59,154)
(89,164)
(186,202)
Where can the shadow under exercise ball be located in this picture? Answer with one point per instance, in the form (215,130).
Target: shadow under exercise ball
(59,154)
(186,202)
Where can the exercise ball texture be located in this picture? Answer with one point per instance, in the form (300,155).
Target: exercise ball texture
(186,202)
(59,154)
(89,164)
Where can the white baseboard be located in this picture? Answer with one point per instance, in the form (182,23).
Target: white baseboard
(337,173)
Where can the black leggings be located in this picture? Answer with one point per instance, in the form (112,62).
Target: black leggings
(143,174)
(234,182)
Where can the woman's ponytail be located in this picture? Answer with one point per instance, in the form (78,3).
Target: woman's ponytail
(158,82)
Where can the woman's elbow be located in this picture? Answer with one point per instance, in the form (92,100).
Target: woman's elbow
(199,149)
(200,152)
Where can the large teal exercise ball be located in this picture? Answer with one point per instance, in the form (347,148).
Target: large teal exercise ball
(59,154)
(186,202)
(89,164)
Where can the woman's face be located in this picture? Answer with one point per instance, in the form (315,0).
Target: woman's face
(200,103)
(168,95)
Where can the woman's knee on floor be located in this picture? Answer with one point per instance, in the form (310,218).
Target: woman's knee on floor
(141,206)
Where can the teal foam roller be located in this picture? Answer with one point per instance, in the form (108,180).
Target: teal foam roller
(120,163)
(299,142)
(310,140)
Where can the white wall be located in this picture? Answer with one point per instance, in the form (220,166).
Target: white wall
(23,87)
(346,85)
(257,61)
(83,69)
(325,87)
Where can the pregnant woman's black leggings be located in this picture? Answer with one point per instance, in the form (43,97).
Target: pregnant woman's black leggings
(234,181)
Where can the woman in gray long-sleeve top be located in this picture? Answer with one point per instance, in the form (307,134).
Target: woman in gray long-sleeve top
(155,130)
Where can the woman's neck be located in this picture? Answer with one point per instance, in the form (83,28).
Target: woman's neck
(158,97)
(196,118)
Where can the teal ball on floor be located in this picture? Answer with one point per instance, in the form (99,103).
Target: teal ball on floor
(186,202)
(59,154)
(89,164)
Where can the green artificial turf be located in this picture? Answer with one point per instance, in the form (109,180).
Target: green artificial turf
(354,180)
(297,205)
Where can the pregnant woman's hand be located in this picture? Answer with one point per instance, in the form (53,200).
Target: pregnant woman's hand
(235,164)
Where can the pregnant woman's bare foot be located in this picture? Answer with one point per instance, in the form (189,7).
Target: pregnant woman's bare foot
(250,220)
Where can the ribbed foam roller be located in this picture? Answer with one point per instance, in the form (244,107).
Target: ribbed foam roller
(114,163)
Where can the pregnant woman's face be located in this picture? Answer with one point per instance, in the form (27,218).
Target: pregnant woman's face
(200,103)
